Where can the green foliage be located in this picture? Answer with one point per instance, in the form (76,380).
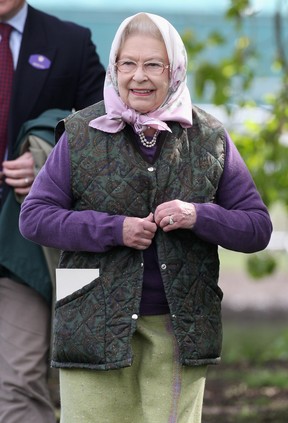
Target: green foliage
(222,76)
(264,147)
(229,77)
(261,264)
(237,8)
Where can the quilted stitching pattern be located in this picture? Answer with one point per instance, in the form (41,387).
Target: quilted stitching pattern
(93,327)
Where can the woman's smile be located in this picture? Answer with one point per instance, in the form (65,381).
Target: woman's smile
(140,92)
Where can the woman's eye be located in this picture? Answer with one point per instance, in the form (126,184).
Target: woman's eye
(154,65)
(129,65)
(126,66)
(132,64)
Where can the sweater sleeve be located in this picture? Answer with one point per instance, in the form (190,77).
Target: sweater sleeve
(238,220)
(47,218)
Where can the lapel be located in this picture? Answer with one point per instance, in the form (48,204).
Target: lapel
(29,80)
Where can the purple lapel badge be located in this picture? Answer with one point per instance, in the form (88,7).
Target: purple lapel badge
(39,61)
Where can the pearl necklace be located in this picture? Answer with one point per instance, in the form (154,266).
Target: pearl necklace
(147,143)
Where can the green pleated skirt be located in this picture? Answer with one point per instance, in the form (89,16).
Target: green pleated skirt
(155,389)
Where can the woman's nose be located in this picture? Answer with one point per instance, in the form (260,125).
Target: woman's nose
(140,74)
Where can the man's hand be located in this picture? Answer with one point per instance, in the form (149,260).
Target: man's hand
(19,173)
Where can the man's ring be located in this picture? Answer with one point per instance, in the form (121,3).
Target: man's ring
(26,180)
(171,221)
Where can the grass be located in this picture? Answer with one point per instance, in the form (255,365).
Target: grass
(250,385)
(255,342)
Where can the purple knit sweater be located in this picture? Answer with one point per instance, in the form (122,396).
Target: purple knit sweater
(238,220)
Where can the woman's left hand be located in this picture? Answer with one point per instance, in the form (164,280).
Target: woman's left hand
(175,214)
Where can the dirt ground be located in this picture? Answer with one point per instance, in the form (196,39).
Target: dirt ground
(228,399)
(231,401)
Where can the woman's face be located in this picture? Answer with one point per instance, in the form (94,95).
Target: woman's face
(138,90)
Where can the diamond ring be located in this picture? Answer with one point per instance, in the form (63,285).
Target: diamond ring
(171,221)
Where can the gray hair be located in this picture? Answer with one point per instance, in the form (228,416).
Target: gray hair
(141,24)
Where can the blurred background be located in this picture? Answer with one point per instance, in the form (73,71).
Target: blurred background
(238,71)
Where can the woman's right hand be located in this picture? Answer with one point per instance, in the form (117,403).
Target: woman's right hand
(138,233)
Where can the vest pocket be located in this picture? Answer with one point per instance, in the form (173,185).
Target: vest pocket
(208,322)
(79,328)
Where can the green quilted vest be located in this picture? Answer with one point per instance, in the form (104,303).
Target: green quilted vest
(94,326)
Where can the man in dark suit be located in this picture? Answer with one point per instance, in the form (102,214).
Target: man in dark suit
(56,68)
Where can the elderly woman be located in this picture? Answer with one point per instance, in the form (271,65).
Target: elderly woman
(143,187)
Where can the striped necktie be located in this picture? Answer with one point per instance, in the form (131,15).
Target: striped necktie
(6,79)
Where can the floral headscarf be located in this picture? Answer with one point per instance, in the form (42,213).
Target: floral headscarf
(177,106)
